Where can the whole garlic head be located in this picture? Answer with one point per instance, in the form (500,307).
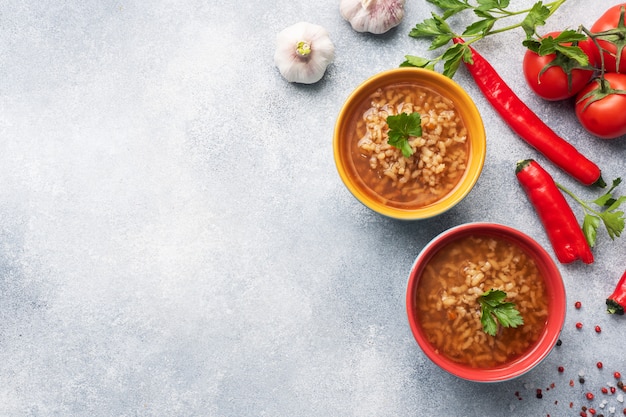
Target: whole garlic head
(303,52)
(374,16)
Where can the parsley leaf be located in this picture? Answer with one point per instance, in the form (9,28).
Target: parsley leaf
(606,213)
(451,7)
(494,312)
(536,17)
(488,16)
(401,127)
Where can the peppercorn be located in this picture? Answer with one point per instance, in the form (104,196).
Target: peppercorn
(605,390)
(599,365)
(561,369)
(589,396)
(578,304)
(598,329)
(579,325)
(617,375)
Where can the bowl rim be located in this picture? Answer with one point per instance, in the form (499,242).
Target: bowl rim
(471,115)
(557,303)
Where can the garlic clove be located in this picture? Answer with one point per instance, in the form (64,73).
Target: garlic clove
(374,16)
(303,52)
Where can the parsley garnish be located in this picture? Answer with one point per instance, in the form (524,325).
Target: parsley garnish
(401,127)
(497,312)
(606,213)
(489,19)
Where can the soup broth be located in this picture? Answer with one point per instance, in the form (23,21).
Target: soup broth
(440,154)
(448,307)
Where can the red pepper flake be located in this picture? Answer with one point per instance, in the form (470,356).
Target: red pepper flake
(539,394)
(613,390)
(599,365)
(617,375)
(605,390)
(598,329)
(571,382)
(589,396)
(579,325)
(561,369)
(583,414)
(578,304)
(592,411)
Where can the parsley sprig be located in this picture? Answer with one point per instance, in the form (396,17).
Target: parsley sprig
(401,127)
(490,18)
(606,212)
(496,312)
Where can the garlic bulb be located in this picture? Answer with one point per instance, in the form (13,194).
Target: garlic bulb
(303,52)
(374,16)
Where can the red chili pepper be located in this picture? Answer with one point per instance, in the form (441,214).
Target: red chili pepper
(616,303)
(557,217)
(528,125)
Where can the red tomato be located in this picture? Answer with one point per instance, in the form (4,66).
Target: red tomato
(610,20)
(554,83)
(604,117)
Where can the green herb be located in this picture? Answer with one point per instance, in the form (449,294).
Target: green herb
(401,127)
(606,213)
(494,312)
(491,17)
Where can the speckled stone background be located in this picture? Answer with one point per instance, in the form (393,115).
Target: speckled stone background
(175,239)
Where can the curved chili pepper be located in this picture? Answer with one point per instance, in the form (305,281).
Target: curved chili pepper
(528,125)
(616,303)
(559,221)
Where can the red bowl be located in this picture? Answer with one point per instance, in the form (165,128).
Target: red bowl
(555,295)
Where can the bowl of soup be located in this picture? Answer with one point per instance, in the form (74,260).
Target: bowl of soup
(438,166)
(451,280)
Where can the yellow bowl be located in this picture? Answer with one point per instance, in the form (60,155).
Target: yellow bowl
(344,135)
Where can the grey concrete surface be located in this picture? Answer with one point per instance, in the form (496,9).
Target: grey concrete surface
(175,239)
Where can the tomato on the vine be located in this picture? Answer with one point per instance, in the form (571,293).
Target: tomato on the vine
(614,41)
(600,106)
(555,76)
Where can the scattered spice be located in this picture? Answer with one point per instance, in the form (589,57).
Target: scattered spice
(561,369)
(577,304)
(589,396)
(605,390)
(598,329)
(617,375)
(579,325)
(599,365)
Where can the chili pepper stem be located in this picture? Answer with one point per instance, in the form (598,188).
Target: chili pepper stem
(616,302)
